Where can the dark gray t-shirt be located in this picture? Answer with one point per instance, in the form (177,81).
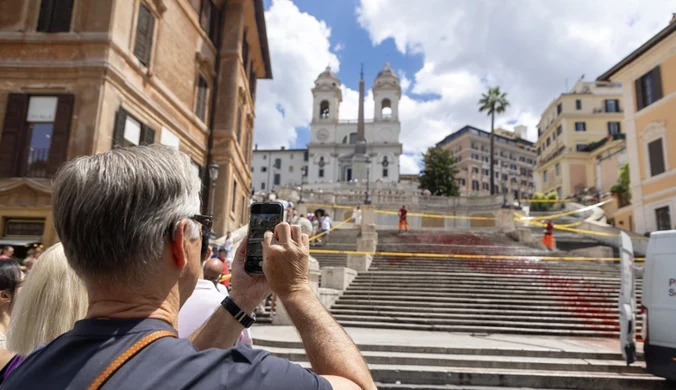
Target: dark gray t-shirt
(75,359)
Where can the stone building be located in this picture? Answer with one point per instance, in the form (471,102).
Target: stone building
(514,161)
(573,126)
(87,75)
(648,79)
(333,145)
(272,169)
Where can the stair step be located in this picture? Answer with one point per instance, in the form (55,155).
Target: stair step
(479,361)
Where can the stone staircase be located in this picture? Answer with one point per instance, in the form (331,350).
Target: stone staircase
(520,296)
(414,360)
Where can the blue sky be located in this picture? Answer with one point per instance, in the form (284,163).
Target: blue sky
(447,52)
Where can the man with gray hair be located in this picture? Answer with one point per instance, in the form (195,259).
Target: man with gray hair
(128,220)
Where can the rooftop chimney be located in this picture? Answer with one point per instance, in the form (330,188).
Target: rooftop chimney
(256,147)
(283,147)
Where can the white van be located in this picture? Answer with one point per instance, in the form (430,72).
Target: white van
(659,305)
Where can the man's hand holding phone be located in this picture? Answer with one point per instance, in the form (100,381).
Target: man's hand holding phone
(246,290)
(286,254)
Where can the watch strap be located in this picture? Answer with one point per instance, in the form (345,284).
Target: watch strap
(240,315)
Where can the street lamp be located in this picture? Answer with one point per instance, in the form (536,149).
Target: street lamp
(367,199)
(213,175)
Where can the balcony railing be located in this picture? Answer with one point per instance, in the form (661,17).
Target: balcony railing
(36,166)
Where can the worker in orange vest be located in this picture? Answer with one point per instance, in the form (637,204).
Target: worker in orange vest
(548,238)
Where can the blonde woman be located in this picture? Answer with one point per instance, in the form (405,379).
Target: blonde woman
(52,299)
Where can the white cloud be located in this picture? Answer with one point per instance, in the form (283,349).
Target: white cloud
(338,47)
(408,165)
(299,49)
(528,47)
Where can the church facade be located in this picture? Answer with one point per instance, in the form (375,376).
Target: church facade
(349,150)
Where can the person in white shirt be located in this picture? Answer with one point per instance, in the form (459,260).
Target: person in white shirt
(325,226)
(229,249)
(205,299)
(356,217)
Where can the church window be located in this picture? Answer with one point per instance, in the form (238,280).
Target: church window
(385,165)
(321,173)
(386,109)
(324,109)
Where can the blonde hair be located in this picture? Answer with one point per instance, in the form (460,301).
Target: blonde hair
(53,297)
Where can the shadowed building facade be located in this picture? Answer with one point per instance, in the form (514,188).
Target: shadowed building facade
(79,77)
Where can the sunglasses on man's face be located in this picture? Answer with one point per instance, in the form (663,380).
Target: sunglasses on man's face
(207,223)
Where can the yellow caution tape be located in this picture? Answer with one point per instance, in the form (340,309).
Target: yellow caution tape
(468,256)
(539,218)
(545,200)
(436,215)
(333,228)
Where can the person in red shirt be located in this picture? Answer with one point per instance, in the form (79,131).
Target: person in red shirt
(223,257)
(403,223)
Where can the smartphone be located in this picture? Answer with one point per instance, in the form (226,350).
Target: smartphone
(263,217)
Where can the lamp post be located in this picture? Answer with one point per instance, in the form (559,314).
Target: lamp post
(367,199)
(213,175)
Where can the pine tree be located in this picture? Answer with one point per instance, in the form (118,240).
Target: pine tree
(439,173)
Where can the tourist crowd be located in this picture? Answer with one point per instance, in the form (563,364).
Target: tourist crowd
(133,298)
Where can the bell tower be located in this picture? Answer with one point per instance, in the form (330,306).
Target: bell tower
(386,95)
(327,97)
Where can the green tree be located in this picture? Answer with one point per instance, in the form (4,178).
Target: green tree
(493,102)
(622,189)
(439,173)
(543,202)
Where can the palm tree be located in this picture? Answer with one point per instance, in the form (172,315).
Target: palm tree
(493,102)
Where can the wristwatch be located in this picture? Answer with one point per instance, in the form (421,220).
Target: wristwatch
(238,313)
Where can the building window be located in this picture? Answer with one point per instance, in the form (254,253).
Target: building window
(278,163)
(475,156)
(486,172)
(201,105)
(129,131)
(553,136)
(238,129)
(663,218)
(484,186)
(143,43)
(35,135)
(524,183)
(614,128)
(559,108)
(324,110)
(549,141)
(321,173)
(277,179)
(559,129)
(612,105)
(209,20)
(581,147)
(475,170)
(252,82)
(291,156)
(558,169)
(539,132)
(265,156)
(538,150)
(385,172)
(264,169)
(461,182)
(504,177)
(656,154)
(544,176)
(290,168)
(262,185)
(306,155)
(475,185)
(578,104)
(55,15)
(648,88)
(580,126)
(234,197)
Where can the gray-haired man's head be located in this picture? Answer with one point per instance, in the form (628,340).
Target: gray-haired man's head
(115,211)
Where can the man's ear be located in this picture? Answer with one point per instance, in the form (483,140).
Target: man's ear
(178,249)
(5,297)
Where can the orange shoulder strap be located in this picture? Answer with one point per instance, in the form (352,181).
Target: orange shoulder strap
(126,355)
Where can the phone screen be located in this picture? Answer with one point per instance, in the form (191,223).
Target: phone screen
(264,217)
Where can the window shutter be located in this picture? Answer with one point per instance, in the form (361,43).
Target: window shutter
(44,21)
(200,106)
(58,151)
(245,50)
(147,135)
(638,90)
(657,76)
(239,124)
(144,34)
(61,15)
(656,157)
(215,26)
(12,134)
(118,131)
